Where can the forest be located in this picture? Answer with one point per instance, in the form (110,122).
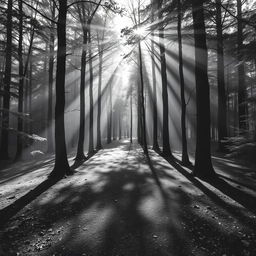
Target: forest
(128,127)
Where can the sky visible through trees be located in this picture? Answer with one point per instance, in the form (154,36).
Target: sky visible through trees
(127,127)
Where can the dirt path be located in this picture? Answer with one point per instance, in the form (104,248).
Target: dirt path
(120,203)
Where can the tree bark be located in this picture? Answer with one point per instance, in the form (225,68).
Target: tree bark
(61,162)
(99,145)
(142,108)
(242,105)
(222,107)
(4,148)
(109,131)
(91,139)
(155,115)
(21,85)
(50,146)
(185,158)
(80,148)
(131,120)
(120,123)
(203,164)
(26,97)
(166,140)
(139,124)
(30,96)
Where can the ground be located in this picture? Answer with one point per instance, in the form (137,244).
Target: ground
(121,203)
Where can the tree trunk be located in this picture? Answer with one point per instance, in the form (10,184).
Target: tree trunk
(99,146)
(26,97)
(155,116)
(109,135)
(131,121)
(185,158)
(114,130)
(61,163)
(242,105)
(21,85)
(80,148)
(91,139)
(101,52)
(222,107)
(120,125)
(142,108)
(43,94)
(139,124)
(166,140)
(203,164)
(254,106)
(4,148)
(50,147)
(30,96)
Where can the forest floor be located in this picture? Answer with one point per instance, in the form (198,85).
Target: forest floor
(121,203)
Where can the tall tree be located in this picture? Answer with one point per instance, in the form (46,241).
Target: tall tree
(4,147)
(142,103)
(242,105)
(109,112)
(139,122)
(222,108)
(30,92)
(155,115)
(185,158)
(166,140)
(91,136)
(80,147)
(61,166)
(99,145)
(203,164)
(21,84)
(120,124)
(141,95)
(101,53)
(131,116)
(50,146)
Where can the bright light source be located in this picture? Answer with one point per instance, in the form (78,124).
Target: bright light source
(140,31)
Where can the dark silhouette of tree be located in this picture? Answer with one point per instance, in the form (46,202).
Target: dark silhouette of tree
(166,140)
(131,116)
(155,114)
(222,109)
(91,138)
(99,145)
(30,130)
(120,124)
(185,158)
(203,164)
(61,166)
(50,147)
(21,83)
(242,104)
(110,113)
(142,103)
(4,148)
(80,147)
(101,55)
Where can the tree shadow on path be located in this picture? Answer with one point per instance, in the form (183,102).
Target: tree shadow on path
(241,197)
(11,210)
(119,203)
